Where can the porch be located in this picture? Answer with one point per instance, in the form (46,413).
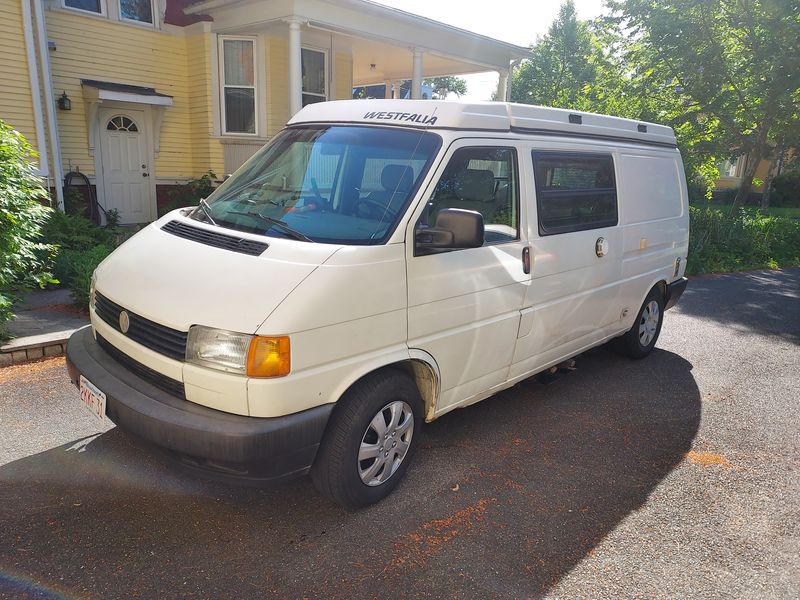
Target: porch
(276,56)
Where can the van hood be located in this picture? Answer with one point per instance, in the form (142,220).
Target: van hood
(179,282)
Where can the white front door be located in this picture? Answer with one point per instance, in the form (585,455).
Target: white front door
(126,178)
(464,305)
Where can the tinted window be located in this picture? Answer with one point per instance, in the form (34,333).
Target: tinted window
(574,192)
(482,179)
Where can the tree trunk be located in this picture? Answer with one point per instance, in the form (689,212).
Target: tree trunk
(753,160)
(774,170)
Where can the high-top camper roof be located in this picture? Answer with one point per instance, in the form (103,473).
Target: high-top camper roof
(486,116)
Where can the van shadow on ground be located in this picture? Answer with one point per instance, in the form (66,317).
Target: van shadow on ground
(504,499)
(750,302)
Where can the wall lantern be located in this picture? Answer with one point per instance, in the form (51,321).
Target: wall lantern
(64,103)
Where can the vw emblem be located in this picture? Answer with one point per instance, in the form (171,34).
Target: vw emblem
(124,322)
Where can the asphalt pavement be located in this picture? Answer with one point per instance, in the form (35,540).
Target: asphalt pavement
(671,477)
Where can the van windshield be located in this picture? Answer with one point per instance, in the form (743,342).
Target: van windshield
(337,184)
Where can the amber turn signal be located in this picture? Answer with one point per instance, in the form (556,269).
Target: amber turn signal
(268,357)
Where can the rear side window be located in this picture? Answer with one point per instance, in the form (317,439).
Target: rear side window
(574,191)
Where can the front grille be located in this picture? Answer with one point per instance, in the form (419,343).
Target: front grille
(212,238)
(169,385)
(161,339)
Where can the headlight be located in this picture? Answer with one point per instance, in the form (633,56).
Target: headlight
(92,290)
(255,356)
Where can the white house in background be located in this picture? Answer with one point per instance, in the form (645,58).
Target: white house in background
(156,92)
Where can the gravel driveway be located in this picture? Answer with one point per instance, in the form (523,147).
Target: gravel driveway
(671,477)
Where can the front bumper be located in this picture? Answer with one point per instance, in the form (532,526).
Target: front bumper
(252,447)
(674,291)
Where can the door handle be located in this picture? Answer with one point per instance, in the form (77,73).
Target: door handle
(601,247)
(526,260)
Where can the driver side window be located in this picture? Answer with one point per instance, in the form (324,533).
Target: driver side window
(481,179)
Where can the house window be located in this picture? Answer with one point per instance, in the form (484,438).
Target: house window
(574,192)
(122,124)
(140,11)
(93,6)
(315,66)
(729,168)
(238,85)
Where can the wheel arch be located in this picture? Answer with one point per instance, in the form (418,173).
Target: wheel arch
(418,365)
(658,283)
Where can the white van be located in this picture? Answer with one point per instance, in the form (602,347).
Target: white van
(375,266)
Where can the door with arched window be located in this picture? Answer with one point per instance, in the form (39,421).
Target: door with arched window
(125,181)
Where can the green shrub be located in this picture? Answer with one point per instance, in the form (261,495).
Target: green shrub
(721,242)
(786,190)
(75,232)
(6,314)
(698,191)
(190,193)
(82,246)
(24,260)
(76,268)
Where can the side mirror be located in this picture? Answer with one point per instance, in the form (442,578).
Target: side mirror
(455,228)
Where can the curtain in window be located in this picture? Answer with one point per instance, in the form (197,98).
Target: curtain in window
(239,63)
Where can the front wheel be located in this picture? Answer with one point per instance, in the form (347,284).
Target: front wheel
(370,441)
(641,338)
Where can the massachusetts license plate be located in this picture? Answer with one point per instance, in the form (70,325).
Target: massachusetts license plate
(93,399)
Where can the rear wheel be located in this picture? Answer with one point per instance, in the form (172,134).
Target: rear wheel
(370,440)
(641,338)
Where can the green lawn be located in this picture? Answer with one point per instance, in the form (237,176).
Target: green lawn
(782,211)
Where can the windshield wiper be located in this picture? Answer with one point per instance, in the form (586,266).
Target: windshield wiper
(276,222)
(203,206)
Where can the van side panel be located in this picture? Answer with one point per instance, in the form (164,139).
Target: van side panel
(655,222)
(573,299)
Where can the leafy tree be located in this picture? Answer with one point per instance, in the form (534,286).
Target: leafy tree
(735,66)
(24,261)
(561,63)
(595,67)
(445,85)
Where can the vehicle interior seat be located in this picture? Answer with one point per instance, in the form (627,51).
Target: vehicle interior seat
(396,181)
(475,190)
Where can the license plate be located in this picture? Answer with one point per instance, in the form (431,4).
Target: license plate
(93,399)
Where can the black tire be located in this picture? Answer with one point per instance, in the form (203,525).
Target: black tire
(632,343)
(336,472)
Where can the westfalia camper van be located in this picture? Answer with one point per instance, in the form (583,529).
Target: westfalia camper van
(375,266)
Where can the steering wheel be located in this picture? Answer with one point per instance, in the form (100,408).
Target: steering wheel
(372,210)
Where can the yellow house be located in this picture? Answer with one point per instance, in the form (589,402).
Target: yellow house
(732,171)
(143,95)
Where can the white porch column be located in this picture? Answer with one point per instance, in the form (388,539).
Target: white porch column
(396,85)
(388,93)
(295,68)
(502,86)
(416,76)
